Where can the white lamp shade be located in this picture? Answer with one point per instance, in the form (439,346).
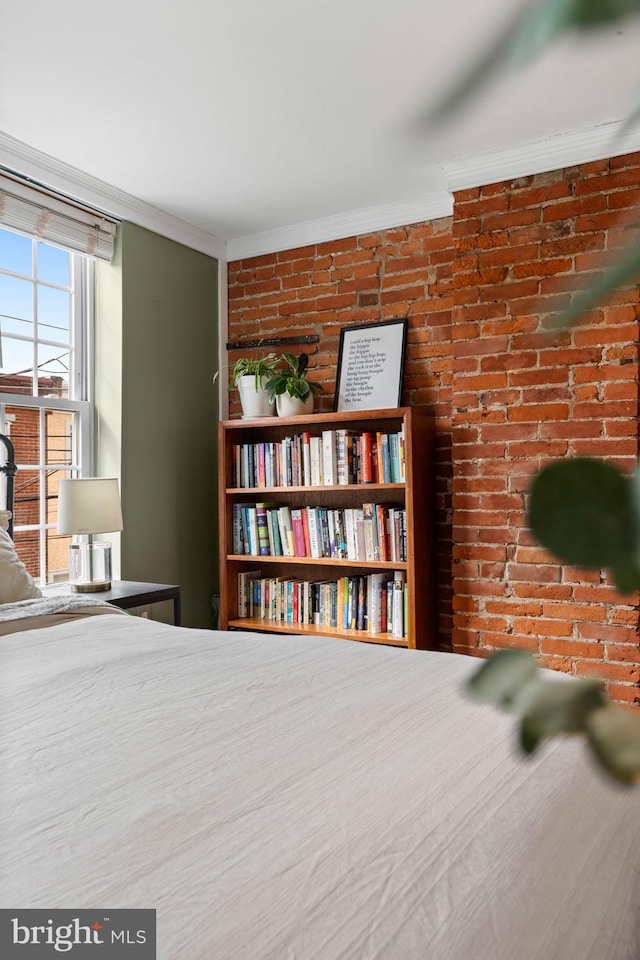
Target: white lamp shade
(89,506)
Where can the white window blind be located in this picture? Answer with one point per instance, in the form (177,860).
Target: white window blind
(33,211)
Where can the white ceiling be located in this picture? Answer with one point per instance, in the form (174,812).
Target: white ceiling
(246,119)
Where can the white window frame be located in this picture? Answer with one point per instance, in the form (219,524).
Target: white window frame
(81,383)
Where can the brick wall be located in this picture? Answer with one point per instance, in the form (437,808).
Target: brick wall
(479,292)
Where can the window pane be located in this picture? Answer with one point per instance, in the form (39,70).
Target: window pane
(16,373)
(16,306)
(53,314)
(57,556)
(25,433)
(15,253)
(53,371)
(52,264)
(28,549)
(58,439)
(27,498)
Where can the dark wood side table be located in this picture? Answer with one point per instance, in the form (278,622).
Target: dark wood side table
(131,593)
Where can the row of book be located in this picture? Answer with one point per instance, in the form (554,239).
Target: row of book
(376,531)
(374,603)
(333,457)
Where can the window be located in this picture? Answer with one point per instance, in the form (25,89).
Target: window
(46,314)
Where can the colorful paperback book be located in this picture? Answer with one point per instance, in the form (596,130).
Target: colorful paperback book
(298,532)
(264,543)
(252,529)
(366,458)
(384,458)
(394,457)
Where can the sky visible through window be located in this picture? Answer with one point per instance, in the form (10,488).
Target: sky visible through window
(35,307)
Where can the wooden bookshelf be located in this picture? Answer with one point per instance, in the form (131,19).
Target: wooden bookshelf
(414,495)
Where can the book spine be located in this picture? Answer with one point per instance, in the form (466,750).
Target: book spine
(359,526)
(238,542)
(284,540)
(263,530)
(381,530)
(332,534)
(398,604)
(386,463)
(350,528)
(324,532)
(329,467)
(262,479)
(314,540)
(315,455)
(306,459)
(367,516)
(394,462)
(288,527)
(275,526)
(390,606)
(252,525)
(298,532)
(366,458)
(341,537)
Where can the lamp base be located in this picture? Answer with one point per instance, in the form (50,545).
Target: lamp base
(94,587)
(90,567)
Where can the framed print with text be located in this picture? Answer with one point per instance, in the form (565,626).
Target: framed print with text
(370,366)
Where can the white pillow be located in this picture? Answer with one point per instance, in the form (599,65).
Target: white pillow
(16,583)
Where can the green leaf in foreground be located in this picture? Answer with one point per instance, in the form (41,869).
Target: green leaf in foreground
(614,736)
(501,678)
(535,25)
(625,269)
(582,510)
(551,707)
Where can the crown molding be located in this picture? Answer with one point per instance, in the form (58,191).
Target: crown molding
(431,206)
(489,166)
(540,156)
(65,179)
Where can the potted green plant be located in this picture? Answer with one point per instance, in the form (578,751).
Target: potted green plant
(250,375)
(289,387)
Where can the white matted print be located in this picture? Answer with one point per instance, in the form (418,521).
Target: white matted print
(370,365)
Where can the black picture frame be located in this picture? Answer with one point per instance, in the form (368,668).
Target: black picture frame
(370,366)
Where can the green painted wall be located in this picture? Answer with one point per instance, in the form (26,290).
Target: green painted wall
(157,413)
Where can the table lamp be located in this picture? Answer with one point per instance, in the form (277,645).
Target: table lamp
(86,507)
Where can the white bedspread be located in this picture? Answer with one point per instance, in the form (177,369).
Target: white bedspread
(279,798)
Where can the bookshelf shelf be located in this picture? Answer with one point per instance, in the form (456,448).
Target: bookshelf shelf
(321,561)
(252,623)
(333,569)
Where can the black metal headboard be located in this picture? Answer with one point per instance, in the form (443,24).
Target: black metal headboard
(9,469)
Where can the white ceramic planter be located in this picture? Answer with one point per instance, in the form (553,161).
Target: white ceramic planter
(292,407)
(255,403)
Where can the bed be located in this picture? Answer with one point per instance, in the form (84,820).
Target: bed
(278,797)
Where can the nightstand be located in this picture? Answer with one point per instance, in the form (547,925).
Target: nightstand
(129,593)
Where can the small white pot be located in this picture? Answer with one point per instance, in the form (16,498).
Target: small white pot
(292,407)
(255,403)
